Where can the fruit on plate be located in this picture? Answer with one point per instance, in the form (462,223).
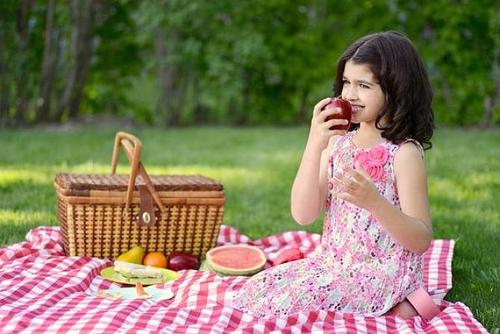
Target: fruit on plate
(133,255)
(134,273)
(182,261)
(236,260)
(288,255)
(155,259)
(345,112)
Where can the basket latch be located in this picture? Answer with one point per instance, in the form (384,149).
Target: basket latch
(147,214)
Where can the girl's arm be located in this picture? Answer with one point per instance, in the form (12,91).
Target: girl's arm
(411,226)
(310,186)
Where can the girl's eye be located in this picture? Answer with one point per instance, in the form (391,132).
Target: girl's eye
(345,82)
(364,86)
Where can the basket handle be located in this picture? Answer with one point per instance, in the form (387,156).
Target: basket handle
(132,147)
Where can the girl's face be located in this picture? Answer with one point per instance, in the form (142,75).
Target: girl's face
(362,90)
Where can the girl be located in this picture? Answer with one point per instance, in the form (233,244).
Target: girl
(373,181)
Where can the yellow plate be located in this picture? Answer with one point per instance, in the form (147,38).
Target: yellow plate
(110,274)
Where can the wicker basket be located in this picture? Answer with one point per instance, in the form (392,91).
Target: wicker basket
(106,215)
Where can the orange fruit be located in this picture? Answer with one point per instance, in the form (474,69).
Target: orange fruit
(155,259)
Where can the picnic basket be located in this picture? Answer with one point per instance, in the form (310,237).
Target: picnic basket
(106,215)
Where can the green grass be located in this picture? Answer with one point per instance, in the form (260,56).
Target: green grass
(257,167)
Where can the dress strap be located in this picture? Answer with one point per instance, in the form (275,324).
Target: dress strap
(419,146)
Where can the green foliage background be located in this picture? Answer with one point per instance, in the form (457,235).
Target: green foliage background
(246,62)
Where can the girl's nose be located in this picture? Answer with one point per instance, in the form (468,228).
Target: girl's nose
(349,93)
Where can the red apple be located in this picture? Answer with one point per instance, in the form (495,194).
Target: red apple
(345,112)
(182,261)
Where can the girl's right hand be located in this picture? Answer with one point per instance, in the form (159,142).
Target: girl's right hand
(320,132)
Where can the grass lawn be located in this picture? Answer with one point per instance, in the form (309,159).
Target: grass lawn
(257,167)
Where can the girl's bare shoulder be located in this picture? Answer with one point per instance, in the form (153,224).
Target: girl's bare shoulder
(409,159)
(409,150)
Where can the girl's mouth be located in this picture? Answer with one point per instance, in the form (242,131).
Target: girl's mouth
(356,108)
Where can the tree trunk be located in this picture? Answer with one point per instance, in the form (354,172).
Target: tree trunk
(304,115)
(201,113)
(84,52)
(22,79)
(232,107)
(48,66)
(487,116)
(171,92)
(160,52)
(4,86)
(82,13)
(447,92)
(178,96)
(491,102)
(247,91)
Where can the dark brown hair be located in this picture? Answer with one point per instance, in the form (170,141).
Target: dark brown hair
(396,64)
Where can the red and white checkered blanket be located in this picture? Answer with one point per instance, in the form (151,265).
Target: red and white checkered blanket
(42,290)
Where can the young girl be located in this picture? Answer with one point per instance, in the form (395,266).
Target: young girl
(373,181)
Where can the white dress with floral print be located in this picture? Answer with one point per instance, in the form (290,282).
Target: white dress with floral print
(359,269)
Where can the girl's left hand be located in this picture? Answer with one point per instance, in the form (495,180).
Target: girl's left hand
(358,189)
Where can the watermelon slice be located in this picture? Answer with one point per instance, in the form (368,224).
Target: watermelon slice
(235,260)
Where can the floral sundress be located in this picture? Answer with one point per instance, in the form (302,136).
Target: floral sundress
(359,267)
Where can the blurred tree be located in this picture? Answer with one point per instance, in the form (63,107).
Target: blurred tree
(82,17)
(50,56)
(229,62)
(23,70)
(460,44)
(4,61)
(116,60)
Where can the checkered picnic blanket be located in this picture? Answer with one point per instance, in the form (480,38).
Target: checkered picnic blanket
(42,290)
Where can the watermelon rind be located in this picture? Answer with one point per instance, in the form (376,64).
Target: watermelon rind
(208,268)
(229,271)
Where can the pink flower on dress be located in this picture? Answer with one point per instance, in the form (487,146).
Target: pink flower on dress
(379,155)
(373,161)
